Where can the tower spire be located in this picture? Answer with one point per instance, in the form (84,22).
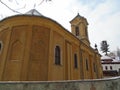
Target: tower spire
(79,28)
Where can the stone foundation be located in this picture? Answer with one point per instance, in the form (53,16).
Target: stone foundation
(98,84)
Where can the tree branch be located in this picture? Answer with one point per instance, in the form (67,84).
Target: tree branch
(43,1)
(21,7)
(9,7)
(16,2)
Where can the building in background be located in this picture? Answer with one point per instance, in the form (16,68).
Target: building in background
(36,48)
(111,66)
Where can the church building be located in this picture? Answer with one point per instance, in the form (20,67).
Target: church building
(36,48)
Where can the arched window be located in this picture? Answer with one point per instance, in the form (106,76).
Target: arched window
(57,55)
(86,32)
(1,46)
(75,61)
(86,64)
(94,67)
(77,31)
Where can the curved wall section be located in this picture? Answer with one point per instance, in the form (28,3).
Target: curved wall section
(24,53)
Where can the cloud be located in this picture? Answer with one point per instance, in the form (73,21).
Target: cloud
(104,24)
(103,16)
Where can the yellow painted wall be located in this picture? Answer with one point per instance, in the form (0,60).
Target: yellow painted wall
(29,51)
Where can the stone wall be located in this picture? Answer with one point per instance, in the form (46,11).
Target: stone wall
(103,84)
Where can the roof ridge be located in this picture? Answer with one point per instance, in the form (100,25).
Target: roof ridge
(33,12)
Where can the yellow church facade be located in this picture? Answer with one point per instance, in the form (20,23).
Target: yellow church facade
(37,48)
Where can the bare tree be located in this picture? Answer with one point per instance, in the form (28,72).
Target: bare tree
(13,0)
(17,2)
(118,53)
(104,47)
(8,7)
(43,1)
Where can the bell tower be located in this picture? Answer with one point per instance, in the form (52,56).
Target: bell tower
(79,28)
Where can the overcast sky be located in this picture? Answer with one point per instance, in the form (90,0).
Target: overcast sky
(103,16)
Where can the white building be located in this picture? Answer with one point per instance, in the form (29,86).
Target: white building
(111,66)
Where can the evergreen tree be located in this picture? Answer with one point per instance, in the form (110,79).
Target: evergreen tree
(104,47)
